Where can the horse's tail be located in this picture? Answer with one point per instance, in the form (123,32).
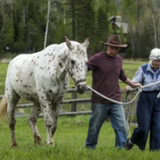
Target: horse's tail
(3,108)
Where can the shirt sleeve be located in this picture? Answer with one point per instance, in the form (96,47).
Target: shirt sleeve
(122,76)
(138,77)
(92,63)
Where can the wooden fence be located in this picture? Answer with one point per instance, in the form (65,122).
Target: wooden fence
(74,101)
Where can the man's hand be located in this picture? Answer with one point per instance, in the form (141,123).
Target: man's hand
(128,89)
(137,85)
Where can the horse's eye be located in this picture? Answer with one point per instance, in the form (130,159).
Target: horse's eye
(73,62)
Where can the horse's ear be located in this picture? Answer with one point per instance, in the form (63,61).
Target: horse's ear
(86,42)
(68,43)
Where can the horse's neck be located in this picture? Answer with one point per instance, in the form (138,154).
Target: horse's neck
(56,58)
(63,72)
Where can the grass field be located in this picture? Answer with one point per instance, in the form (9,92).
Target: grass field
(70,135)
(69,143)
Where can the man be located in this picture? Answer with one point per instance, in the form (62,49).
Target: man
(106,71)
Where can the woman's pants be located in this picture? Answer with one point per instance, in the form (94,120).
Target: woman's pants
(148,116)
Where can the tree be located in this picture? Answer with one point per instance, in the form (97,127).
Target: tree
(7,30)
(47,24)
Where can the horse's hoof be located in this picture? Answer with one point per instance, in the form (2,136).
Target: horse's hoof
(14,145)
(50,143)
(37,139)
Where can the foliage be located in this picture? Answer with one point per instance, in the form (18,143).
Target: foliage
(23,24)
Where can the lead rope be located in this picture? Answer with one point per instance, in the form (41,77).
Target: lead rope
(112,100)
(124,103)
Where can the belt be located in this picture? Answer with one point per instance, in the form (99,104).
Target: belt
(150,91)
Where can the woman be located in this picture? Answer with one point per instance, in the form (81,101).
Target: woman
(148,107)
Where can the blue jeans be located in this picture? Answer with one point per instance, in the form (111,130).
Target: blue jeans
(115,112)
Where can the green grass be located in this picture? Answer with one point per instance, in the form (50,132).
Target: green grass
(70,135)
(69,143)
(3,71)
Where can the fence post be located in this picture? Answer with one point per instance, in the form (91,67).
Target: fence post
(74,105)
(127,112)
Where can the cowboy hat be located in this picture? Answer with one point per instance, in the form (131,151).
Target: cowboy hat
(115,41)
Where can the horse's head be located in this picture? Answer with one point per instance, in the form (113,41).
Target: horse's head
(78,63)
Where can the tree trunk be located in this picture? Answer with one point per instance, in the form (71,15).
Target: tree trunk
(47,25)
(155,32)
(73,21)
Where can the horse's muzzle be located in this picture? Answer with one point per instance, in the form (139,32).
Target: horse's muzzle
(81,87)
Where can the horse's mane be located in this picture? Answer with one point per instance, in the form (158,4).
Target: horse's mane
(59,47)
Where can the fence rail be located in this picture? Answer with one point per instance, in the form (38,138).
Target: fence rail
(74,101)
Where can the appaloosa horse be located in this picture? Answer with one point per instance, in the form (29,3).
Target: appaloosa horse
(42,78)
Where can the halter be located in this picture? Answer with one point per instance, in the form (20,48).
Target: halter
(79,81)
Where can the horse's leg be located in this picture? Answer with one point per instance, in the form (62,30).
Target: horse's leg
(55,109)
(33,120)
(44,103)
(12,100)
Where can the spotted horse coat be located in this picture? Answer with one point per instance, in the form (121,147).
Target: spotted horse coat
(43,77)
